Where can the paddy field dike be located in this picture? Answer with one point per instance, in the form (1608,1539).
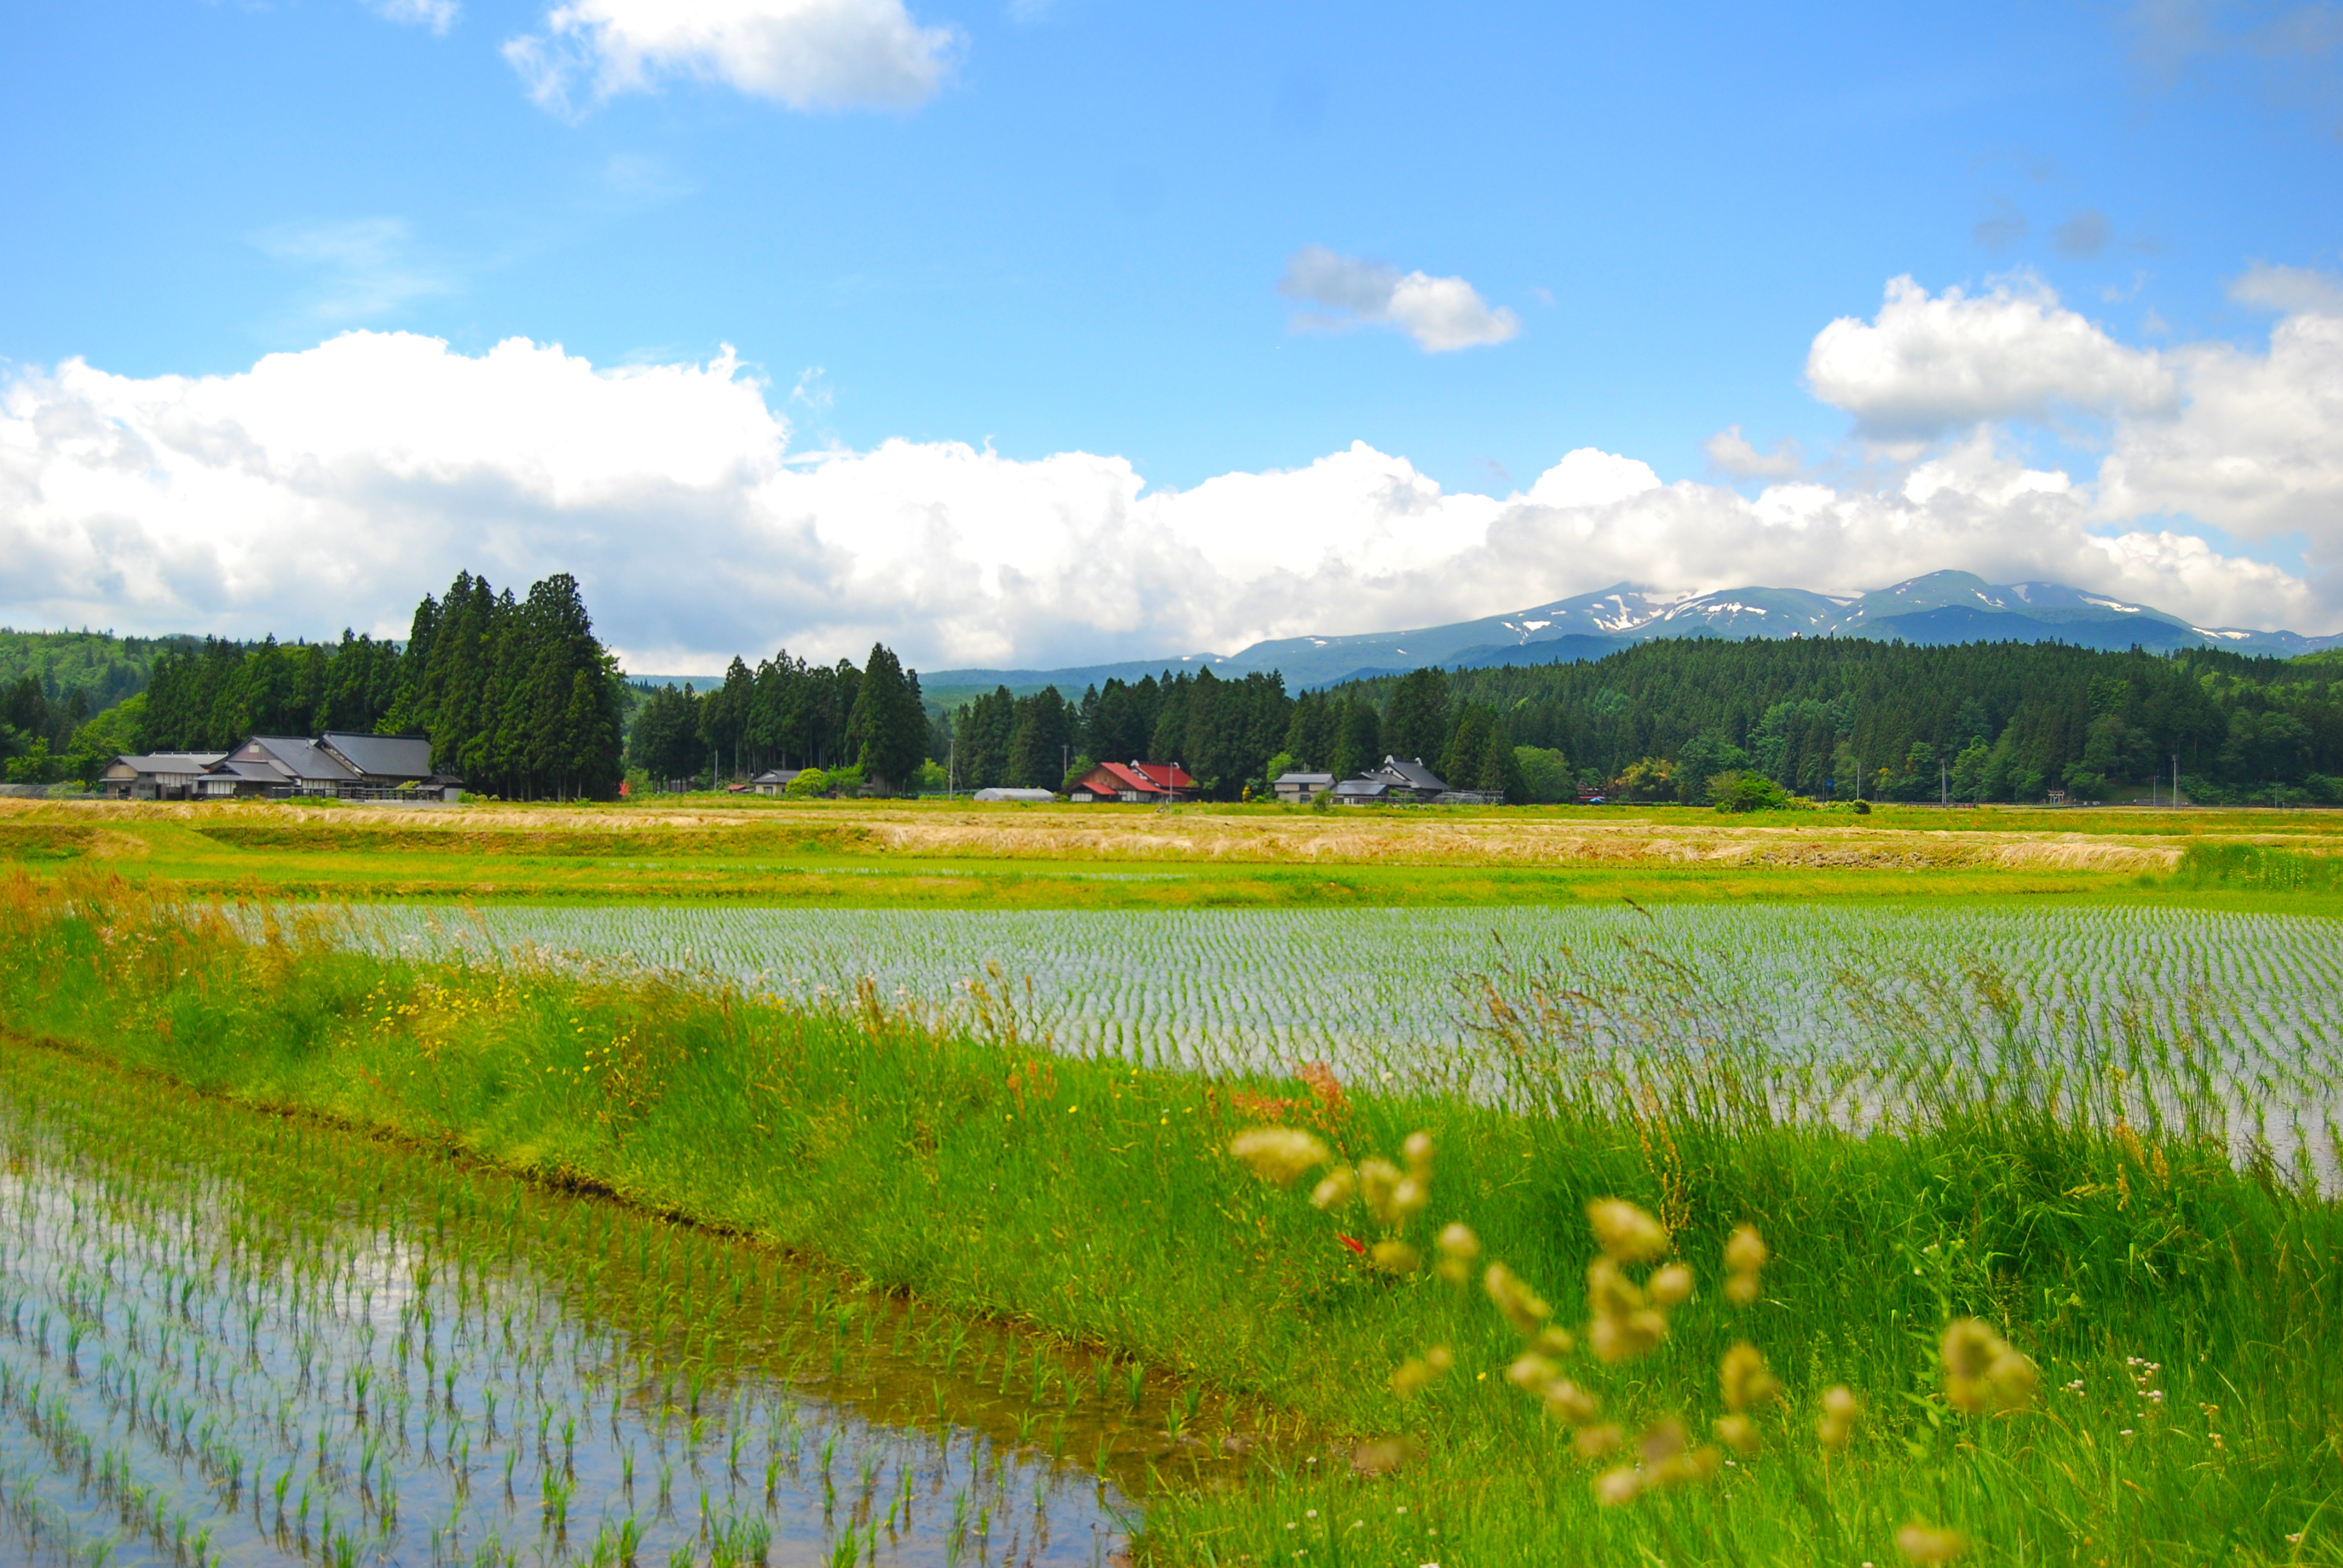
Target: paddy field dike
(732,1183)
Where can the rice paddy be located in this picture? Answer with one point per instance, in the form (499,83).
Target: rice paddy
(250,1340)
(1828,996)
(2051,1267)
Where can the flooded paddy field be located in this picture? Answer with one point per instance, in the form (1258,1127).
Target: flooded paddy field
(1270,985)
(1851,1008)
(231,1337)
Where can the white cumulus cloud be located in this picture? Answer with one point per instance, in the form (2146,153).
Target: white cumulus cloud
(2258,448)
(1926,364)
(2288,289)
(340,483)
(1441,314)
(1730,452)
(804,54)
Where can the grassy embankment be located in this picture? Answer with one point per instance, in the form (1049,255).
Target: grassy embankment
(2182,1312)
(857,855)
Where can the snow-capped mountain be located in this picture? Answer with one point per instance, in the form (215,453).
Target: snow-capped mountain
(1940,608)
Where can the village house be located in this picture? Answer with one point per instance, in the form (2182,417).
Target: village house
(774,781)
(155,775)
(343,765)
(1300,788)
(1403,782)
(1137,783)
(1409,779)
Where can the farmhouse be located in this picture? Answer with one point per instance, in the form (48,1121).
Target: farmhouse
(1135,781)
(1400,782)
(1410,780)
(1300,788)
(155,775)
(774,781)
(280,767)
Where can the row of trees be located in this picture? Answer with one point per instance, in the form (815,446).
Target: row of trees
(1821,717)
(1470,745)
(53,683)
(1224,732)
(788,713)
(208,697)
(518,695)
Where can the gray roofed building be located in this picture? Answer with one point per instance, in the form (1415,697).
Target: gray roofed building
(1297,788)
(1410,779)
(1361,792)
(390,758)
(155,775)
(396,767)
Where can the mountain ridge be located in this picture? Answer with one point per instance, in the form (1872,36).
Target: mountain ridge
(1943,607)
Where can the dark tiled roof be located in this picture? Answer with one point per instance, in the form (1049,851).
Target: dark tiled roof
(169,761)
(1413,774)
(383,756)
(297,759)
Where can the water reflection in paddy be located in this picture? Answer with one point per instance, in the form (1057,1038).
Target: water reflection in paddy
(226,1337)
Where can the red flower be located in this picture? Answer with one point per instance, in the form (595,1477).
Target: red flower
(1357,1246)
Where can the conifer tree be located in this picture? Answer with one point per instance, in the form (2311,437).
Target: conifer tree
(887,726)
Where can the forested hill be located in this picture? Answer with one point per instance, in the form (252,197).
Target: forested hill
(2006,720)
(96,667)
(53,683)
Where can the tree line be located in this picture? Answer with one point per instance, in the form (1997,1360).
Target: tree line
(865,726)
(53,683)
(1978,721)
(517,694)
(520,698)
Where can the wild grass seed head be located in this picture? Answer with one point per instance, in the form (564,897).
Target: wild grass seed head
(1743,1379)
(1925,1544)
(1515,1299)
(1281,1155)
(1841,1411)
(1457,1247)
(1336,1188)
(1670,1285)
(1626,1233)
(1379,1183)
(1982,1374)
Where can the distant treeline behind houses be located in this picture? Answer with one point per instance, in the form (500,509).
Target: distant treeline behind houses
(519,697)
(1820,717)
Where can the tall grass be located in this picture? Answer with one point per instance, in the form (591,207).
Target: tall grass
(2260,867)
(977,1168)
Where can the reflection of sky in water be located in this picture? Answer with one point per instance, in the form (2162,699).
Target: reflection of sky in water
(207,1363)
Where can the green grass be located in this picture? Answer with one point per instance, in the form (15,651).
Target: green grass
(721,850)
(985,1174)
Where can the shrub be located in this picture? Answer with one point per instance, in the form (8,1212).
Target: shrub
(1735,791)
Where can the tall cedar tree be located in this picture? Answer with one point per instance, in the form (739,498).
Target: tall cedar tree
(888,727)
(1416,724)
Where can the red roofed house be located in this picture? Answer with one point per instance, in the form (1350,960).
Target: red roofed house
(1135,781)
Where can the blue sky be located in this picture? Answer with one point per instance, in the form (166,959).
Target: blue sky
(1061,228)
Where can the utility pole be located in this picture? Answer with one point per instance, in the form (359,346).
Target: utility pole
(952,766)
(2175,780)
(1945,784)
